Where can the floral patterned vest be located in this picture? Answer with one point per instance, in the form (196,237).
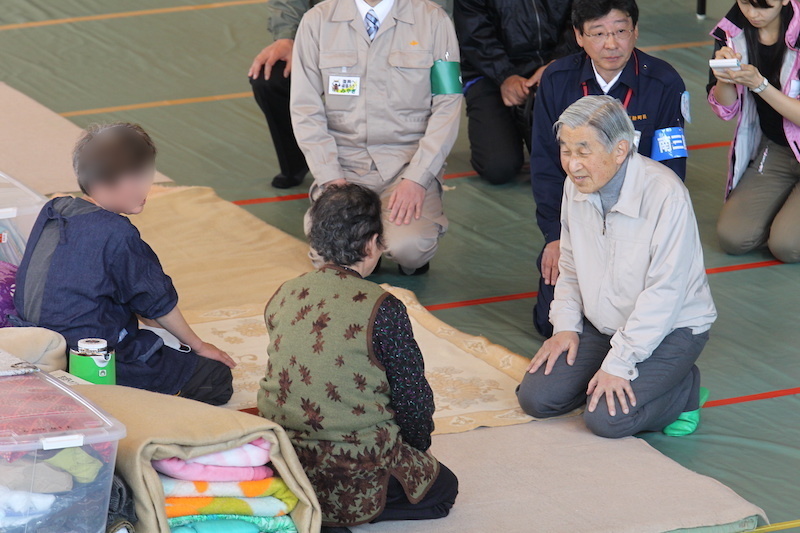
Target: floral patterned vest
(326,388)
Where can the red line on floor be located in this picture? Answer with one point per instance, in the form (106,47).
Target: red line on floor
(754,397)
(271,199)
(460,175)
(746,266)
(708,145)
(480,301)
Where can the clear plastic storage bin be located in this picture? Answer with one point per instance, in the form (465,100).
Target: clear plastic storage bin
(19,207)
(57,454)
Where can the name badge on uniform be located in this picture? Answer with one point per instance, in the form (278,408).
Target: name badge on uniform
(669,143)
(794,89)
(344,85)
(686,107)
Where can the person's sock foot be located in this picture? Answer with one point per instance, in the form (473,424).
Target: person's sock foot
(688,421)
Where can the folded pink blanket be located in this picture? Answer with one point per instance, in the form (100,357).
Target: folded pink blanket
(180,469)
(255,453)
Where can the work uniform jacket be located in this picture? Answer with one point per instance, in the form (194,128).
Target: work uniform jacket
(637,273)
(361,105)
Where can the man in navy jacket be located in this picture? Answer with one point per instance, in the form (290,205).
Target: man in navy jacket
(651,91)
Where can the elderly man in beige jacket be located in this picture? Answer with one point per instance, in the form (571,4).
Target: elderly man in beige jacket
(363,111)
(632,305)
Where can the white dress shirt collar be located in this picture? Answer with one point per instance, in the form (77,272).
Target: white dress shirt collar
(381,10)
(605,87)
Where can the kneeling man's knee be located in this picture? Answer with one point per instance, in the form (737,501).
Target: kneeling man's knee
(603,424)
(537,401)
(786,250)
(412,251)
(273,84)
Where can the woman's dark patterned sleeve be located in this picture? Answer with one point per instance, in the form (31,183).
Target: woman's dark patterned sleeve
(412,397)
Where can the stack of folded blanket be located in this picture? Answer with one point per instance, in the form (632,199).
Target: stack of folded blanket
(234,491)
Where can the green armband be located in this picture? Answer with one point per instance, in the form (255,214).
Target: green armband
(446,77)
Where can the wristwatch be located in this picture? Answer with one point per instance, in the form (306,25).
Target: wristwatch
(762,87)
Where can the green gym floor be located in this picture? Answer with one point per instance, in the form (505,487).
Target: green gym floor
(178,67)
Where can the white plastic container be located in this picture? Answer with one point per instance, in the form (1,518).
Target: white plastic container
(19,207)
(57,454)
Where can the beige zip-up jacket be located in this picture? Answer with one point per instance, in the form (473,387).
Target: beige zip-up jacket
(394,124)
(636,274)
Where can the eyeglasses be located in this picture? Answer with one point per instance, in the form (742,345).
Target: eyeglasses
(618,35)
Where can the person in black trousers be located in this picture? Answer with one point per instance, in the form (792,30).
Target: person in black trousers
(505,47)
(270,79)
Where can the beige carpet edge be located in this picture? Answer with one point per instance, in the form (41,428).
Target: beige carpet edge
(757,511)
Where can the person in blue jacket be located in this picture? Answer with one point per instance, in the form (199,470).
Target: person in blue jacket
(87,273)
(651,91)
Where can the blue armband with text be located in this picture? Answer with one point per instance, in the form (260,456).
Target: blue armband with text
(669,143)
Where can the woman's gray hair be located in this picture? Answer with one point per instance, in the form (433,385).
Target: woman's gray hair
(605,115)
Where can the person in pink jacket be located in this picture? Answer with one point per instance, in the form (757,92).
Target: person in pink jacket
(763,189)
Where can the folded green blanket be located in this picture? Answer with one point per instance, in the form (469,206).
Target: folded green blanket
(218,526)
(280,524)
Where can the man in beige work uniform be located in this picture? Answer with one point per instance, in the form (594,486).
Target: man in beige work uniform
(363,112)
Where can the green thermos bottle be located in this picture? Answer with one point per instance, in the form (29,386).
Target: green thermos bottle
(94,362)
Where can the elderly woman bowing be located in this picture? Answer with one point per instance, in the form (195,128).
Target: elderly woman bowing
(632,306)
(346,378)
